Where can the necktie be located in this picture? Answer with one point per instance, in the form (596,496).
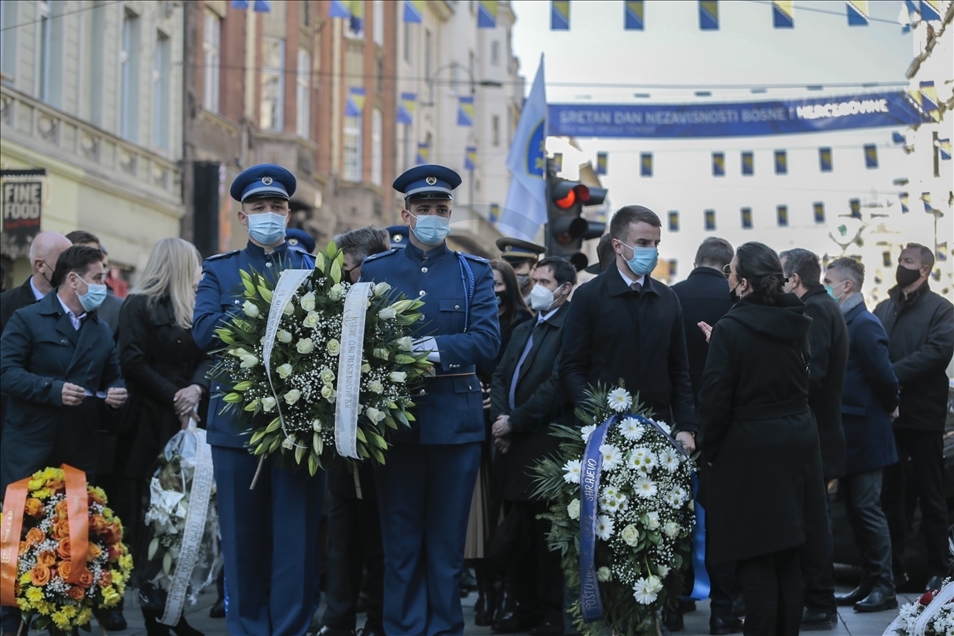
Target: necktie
(636,287)
(523,356)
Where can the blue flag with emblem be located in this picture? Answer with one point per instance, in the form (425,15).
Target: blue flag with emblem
(748,164)
(560,15)
(782,215)
(930,10)
(646,164)
(355,104)
(941,252)
(465,111)
(928,99)
(339,9)
(944,149)
(824,159)
(718,164)
(855,206)
(710,220)
(558,162)
(857,12)
(633,12)
(413,11)
(423,154)
(261,6)
(871,156)
(709,15)
(602,163)
(470,158)
(494,213)
(525,210)
(405,110)
(926,200)
(783,16)
(819,210)
(487,14)
(903,198)
(897,137)
(781,162)
(673,221)
(746,214)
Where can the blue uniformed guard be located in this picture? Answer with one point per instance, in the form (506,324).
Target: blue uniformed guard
(269,534)
(425,489)
(300,239)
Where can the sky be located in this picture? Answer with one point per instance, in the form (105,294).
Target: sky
(597,61)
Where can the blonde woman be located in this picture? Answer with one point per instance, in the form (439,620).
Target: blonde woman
(165,376)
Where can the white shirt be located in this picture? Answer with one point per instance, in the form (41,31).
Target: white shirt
(76,320)
(629,281)
(37,294)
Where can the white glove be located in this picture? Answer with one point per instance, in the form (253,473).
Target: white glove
(428,344)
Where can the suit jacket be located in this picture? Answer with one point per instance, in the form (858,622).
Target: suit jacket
(613,333)
(871,394)
(10,301)
(40,351)
(108,312)
(829,358)
(704,296)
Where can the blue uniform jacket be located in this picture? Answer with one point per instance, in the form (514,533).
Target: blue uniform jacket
(220,292)
(870,394)
(451,412)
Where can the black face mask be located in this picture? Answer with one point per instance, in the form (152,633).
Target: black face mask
(732,295)
(500,297)
(906,276)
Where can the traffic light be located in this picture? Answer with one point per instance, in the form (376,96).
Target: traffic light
(566,228)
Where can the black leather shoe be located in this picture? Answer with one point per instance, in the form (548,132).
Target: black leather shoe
(547,628)
(877,601)
(934,583)
(725,625)
(218,609)
(333,631)
(813,621)
(112,620)
(514,622)
(852,597)
(370,631)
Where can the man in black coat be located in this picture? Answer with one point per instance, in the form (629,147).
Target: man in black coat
(829,341)
(625,325)
(920,328)
(704,297)
(525,399)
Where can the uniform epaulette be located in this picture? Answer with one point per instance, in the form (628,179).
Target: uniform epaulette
(216,257)
(380,255)
(474,257)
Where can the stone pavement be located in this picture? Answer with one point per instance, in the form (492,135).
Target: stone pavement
(850,622)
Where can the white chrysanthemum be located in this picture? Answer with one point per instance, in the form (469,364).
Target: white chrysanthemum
(680,493)
(619,400)
(652,520)
(672,499)
(649,462)
(664,426)
(645,488)
(586,431)
(571,471)
(604,527)
(631,429)
(622,501)
(612,458)
(669,460)
(671,529)
(573,509)
(610,505)
(609,492)
(663,570)
(643,591)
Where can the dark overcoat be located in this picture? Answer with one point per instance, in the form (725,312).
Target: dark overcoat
(537,398)
(766,491)
(158,358)
(829,337)
(871,394)
(10,301)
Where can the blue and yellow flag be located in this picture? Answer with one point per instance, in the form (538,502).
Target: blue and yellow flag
(602,163)
(783,16)
(560,15)
(470,158)
(339,9)
(718,164)
(926,200)
(261,6)
(819,209)
(423,154)
(710,220)
(748,164)
(633,13)
(857,12)
(886,260)
(824,159)
(465,111)
(903,197)
(781,162)
(673,264)
(897,138)
(855,206)
(413,11)
(709,15)
(871,156)
(944,149)
(746,218)
(405,110)
(558,162)
(781,213)
(941,252)
(357,15)
(487,14)
(930,10)
(928,100)
(355,104)
(494,213)
(673,221)
(646,164)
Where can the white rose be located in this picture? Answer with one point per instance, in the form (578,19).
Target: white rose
(292,396)
(381,289)
(380,353)
(603,574)
(334,347)
(387,313)
(249,361)
(289,443)
(573,510)
(335,293)
(405,343)
(328,393)
(663,571)
(289,309)
(365,368)
(284,371)
(398,377)
(375,415)
(630,535)
(652,521)
(284,336)
(376,387)
(311,320)
(268,404)
(327,376)
(307,302)
(238,352)
(250,309)
(316,426)
(305,345)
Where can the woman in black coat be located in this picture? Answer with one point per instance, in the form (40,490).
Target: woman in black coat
(758,434)
(165,376)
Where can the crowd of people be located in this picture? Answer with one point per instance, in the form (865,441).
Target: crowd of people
(768,364)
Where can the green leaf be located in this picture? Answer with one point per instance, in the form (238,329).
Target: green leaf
(363,452)
(403,358)
(300,452)
(252,406)
(233,398)
(225,335)
(312,464)
(319,444)
(274,425)
(256,437)
(378,456)
(265,293)
(245,385)
(361,436)
(378,441)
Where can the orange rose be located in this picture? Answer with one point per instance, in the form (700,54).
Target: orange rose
(61,509)
(106,578)
(113,553)
(86,579)
(65,568)
(63,549)
(24,546)
(98,524)
(113,533)
(40,575)
(76,593)
(61,529)
(47,558)
(56,485)
(96,497)
(33,507)
(94,551)
(35,536)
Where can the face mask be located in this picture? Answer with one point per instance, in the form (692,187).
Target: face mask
(906,276)
(522,280)
(431,229)
(732,295)
(644,259)
(94,296)
(541,298)
(266,228)
(831,292)
(500,297)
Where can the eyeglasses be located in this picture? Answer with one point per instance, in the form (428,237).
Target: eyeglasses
(727,270)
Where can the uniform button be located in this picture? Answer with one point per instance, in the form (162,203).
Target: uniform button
(421,392)
(236,302)
(422,317)
(62,341)
(421,293)
(424,269)
(179,340)
(268,264)
(456,306)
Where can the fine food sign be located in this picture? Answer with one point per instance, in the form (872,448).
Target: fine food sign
(22,205)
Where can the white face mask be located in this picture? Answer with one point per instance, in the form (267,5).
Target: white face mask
(541,298)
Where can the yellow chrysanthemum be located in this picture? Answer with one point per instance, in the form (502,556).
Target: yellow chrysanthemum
(99,492)
(24,578)
(69,611)
(35,484)
(45,607)
(110,596)
(84,616)
(23,604)
(107,513)
(42,493)
(126,562)
(34,594)
(60,620)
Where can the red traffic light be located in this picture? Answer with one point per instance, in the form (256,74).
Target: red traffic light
(566,194)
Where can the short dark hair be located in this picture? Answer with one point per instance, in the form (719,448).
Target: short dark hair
(77,259)
(805,264)
(82,237)
(850,270)
(363,242)
(760,265)
(714,252)
(927,256)
(629,215)
(563,270)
